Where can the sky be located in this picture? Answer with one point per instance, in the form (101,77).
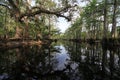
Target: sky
(62,24)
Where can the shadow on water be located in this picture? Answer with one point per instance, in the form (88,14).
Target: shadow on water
(60,61)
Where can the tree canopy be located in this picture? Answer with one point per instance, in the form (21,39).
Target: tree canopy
(98,19)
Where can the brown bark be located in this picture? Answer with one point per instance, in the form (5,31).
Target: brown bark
(18,33)
(16,13)
(26,35)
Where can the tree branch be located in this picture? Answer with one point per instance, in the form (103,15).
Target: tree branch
(14,6)
(57,11)
(40,10)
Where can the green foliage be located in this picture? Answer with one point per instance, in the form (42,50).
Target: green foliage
(91,21)
(38,24)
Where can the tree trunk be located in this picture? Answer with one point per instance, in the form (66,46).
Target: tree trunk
(49,27)
(105,19)
(114,19)
(18,33)
(26,35)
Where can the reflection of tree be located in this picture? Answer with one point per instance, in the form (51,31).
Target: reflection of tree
(99,62)
(39,62)
(74,51)
(31,63)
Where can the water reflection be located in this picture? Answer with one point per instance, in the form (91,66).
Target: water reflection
(65,61)
(95,62)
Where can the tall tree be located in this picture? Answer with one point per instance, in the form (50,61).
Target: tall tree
(105,19)
(113,32)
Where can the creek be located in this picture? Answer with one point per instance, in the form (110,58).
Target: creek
(60,61)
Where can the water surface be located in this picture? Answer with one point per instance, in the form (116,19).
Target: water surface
(60,61)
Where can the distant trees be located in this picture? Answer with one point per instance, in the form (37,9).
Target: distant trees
(99,19)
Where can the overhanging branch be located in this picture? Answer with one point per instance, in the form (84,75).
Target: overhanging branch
(40,10)
(44,11)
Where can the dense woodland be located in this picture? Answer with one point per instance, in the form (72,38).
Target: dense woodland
(98,19)
(31,21)
(35,20)
(32,47)
(30,18)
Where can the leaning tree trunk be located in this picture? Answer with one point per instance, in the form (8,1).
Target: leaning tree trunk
(18,33)
(16,13)
(26,35)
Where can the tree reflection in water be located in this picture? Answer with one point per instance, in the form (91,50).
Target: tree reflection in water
(67,61)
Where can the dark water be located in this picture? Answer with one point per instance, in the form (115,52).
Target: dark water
(60,61)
